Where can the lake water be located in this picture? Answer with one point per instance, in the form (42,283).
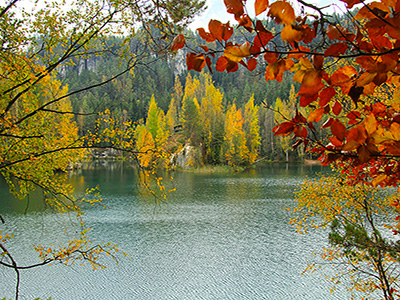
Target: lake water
(219,236)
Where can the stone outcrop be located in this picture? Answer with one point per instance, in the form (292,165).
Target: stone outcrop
(187,157)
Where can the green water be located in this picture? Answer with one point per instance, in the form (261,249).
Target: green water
(219,236)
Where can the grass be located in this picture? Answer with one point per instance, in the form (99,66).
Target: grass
(213,169)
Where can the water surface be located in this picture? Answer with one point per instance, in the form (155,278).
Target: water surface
(219,236)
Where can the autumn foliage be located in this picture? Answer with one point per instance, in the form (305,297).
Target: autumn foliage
(340,69)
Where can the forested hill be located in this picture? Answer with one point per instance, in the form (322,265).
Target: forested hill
(165,77)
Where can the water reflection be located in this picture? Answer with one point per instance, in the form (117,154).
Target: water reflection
(219,236)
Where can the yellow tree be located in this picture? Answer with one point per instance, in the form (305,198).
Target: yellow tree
(190,111)
(145,145)
(212,121)
(172,119)
(252,129)
(235,149)
(361,246)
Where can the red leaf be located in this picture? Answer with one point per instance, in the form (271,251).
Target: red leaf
(326,95)
(327,123)
(350,3)
(337,108)
(245,21)
(205,48)
(353,116)
(336,49)
(355,93)
(338,129)
(178,42)
(234,7)
(333,33)
(262,39)
(299,118)
(271,57)
(221,64)
(300,131)
(363,154)
(252,64)
(208,63)
(306,100)
(318,62)
(205,35)
(195,61)
(260,27)
(284,128)
(260,6)
(335,142)
(232,67)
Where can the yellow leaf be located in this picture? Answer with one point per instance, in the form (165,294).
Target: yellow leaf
(290,34)
(370,124)
(237,53)
(395,130)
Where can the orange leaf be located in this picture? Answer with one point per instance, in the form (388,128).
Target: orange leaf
(365,78)
(275,70)
(221,64)
(205,35)
(370,10)
(222,32)
(245,21)
(358,134)
(290,34)
(234,7)
(282,12)
(370,124)
(237,53)
(311,78)
(336,49)
(316,115)
(178,42)
(260,6)
(343,78)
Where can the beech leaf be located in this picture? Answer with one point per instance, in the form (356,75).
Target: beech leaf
(282,12)
(178,42)
(237,53)
(260,6)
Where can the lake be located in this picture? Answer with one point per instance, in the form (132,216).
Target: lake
(219,236)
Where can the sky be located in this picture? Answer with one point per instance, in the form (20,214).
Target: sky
(216,10)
